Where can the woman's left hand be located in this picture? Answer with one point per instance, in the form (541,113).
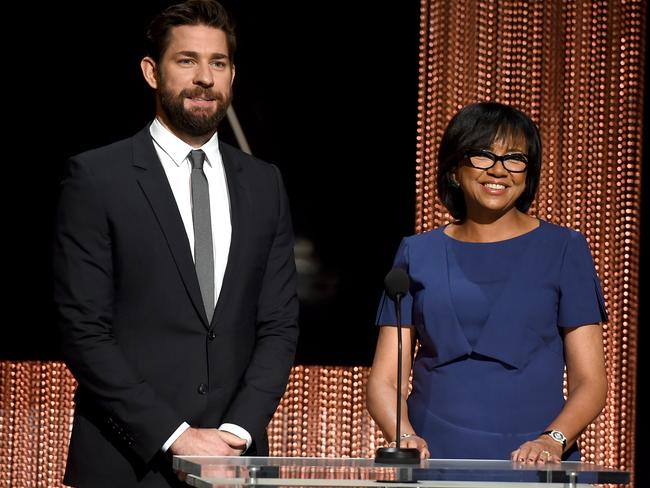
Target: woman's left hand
(541,450)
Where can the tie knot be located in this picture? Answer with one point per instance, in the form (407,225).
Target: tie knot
(197,156)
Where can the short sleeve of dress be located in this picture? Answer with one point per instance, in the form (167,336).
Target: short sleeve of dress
(581,297)
(386,312)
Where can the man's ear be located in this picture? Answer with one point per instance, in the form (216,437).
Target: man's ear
(149,70)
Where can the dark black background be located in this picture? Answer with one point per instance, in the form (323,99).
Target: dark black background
(325,90)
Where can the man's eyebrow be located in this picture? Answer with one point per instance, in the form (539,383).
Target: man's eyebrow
(194,54)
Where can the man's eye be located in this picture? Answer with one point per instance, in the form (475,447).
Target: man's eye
(219,64)
(185,61)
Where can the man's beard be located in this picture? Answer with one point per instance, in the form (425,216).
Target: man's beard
(195,122)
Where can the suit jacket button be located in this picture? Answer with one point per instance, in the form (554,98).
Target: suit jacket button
(212,335)
(203,388)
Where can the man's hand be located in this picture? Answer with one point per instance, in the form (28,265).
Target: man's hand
(207,442)
(236,443)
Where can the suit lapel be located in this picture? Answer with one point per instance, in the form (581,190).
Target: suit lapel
(239,206)
(153,181)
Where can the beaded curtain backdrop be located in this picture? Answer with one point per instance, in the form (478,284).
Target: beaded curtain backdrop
(576,67)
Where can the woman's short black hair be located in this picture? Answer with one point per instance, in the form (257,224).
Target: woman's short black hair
(478,126)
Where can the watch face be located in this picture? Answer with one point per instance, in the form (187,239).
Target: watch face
(558,436)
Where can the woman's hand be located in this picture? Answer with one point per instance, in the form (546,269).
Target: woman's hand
(418,443)
(541,450)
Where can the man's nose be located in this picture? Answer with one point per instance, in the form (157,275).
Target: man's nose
(203,75)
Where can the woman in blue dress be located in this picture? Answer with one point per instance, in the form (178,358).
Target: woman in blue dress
(500,302)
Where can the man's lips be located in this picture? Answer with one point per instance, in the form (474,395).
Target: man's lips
(201,101)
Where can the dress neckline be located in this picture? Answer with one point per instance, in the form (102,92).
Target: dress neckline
(511,239)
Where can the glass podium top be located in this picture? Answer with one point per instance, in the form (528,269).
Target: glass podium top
(214,471)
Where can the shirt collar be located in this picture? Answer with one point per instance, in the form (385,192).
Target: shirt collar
(178,149)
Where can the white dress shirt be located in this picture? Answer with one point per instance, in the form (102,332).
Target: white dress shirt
(173,154)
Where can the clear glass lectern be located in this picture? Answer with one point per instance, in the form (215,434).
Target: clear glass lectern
(214,471)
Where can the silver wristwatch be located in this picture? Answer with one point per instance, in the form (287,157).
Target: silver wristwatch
(557,436)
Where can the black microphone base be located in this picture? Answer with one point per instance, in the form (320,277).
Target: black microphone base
(397,455)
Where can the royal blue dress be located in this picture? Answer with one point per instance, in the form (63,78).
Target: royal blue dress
(488,375)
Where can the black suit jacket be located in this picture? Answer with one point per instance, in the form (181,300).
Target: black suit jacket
(135,333)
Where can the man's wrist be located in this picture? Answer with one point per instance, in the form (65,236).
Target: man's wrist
(239,432)
(172,438)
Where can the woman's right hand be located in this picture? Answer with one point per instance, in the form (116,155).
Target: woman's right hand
(417,442)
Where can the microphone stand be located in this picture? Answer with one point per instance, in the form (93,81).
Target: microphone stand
(397,454)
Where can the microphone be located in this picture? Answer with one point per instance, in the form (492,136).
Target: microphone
(396,284)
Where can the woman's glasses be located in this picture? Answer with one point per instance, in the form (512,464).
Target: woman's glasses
(484,159)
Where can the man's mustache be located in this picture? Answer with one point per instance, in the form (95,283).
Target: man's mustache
(202,93)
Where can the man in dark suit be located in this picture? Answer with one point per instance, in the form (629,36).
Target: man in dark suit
(152,232)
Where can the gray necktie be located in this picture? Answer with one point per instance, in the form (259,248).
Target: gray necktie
(203,253)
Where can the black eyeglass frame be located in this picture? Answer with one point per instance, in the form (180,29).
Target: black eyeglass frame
(521,157)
